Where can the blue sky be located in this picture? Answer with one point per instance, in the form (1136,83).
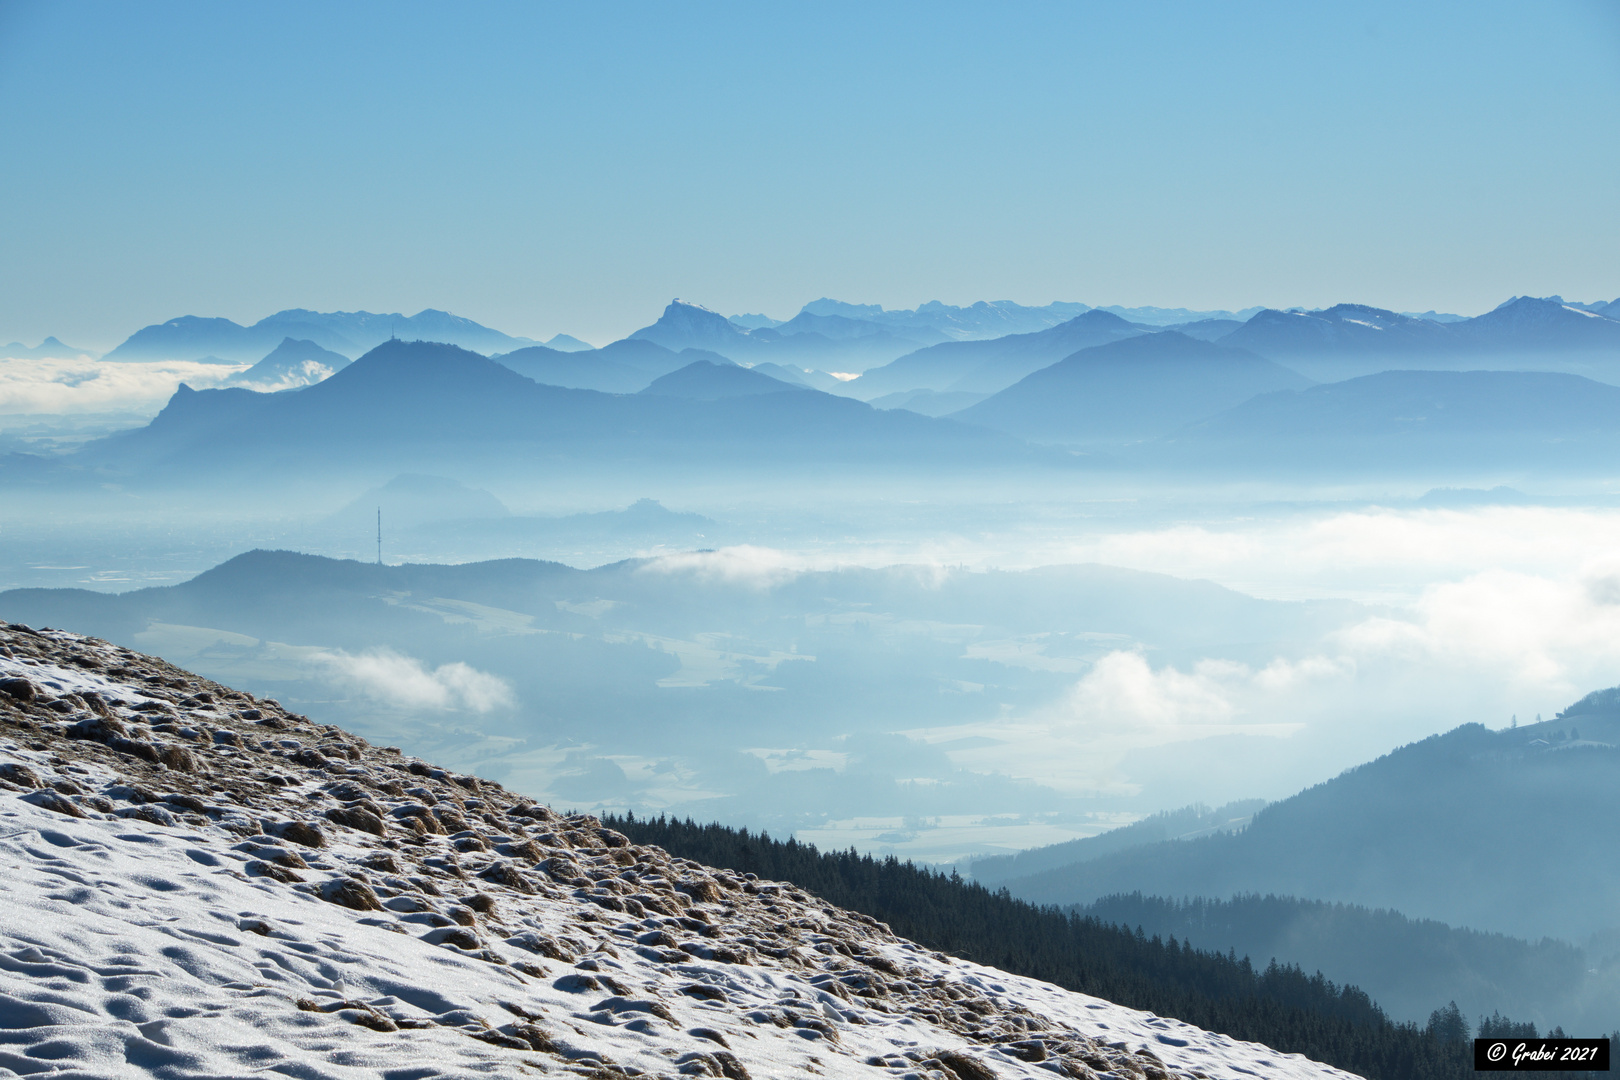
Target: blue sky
(545,168)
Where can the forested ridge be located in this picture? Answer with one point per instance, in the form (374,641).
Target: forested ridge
(1279,1005)
(1406,964)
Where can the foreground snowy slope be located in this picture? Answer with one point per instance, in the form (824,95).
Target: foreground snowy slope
(195,883)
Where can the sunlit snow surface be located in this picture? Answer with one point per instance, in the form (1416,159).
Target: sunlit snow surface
(130,948)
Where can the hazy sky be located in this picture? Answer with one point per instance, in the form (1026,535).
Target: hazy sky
(545,168)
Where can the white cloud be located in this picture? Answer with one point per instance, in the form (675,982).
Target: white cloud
(744,564)
(404,681)
(1126,703)
(94,386)
(765,568)
(304,373)
(1555,636)
(1121,693)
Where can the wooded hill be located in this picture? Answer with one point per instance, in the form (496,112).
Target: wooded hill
(1279,1006)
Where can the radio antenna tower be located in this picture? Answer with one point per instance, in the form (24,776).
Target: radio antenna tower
(379,536)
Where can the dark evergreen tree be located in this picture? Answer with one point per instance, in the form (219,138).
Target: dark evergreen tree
(1447,1025)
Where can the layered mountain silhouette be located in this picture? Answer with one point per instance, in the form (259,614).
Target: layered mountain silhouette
(1528,324)
(1179,317)
(49,349)
(1525,330)
(705,380)
(1343,328)
(984,319)
(989,366)
(687,326)
(1384,834)
(1186,823)
(1403,419)
(928,402)
(348,332)
(413,406)
(1137,388)
(844,328)
(835,342)
(568,343)
(623,367)
(290,365)
(1207,329)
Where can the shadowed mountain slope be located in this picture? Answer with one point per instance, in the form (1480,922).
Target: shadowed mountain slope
(831,342)
(707,381)
(623,367)
(1386,834)
(989,366)
(1401,420)
(1137,388)
(1355,339)
(1343,328)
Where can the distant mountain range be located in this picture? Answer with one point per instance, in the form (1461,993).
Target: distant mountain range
(350,333)
(1523,331)
(412,406)
(984,319)
(831,335)
(1187,823)
(49,349)
(568,343)
(928,402)
(1140,387)
(623,367)
(828,342)
(704,380)
(988,366)
(1332,344)
(1177,317)
(1159,401)
(1489,420)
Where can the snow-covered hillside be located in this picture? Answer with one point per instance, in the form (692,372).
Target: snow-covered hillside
(195,883)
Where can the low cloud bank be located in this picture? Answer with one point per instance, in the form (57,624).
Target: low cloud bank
(304,373)
(92,386)
(1377,554)
(406,682)
(744,564)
